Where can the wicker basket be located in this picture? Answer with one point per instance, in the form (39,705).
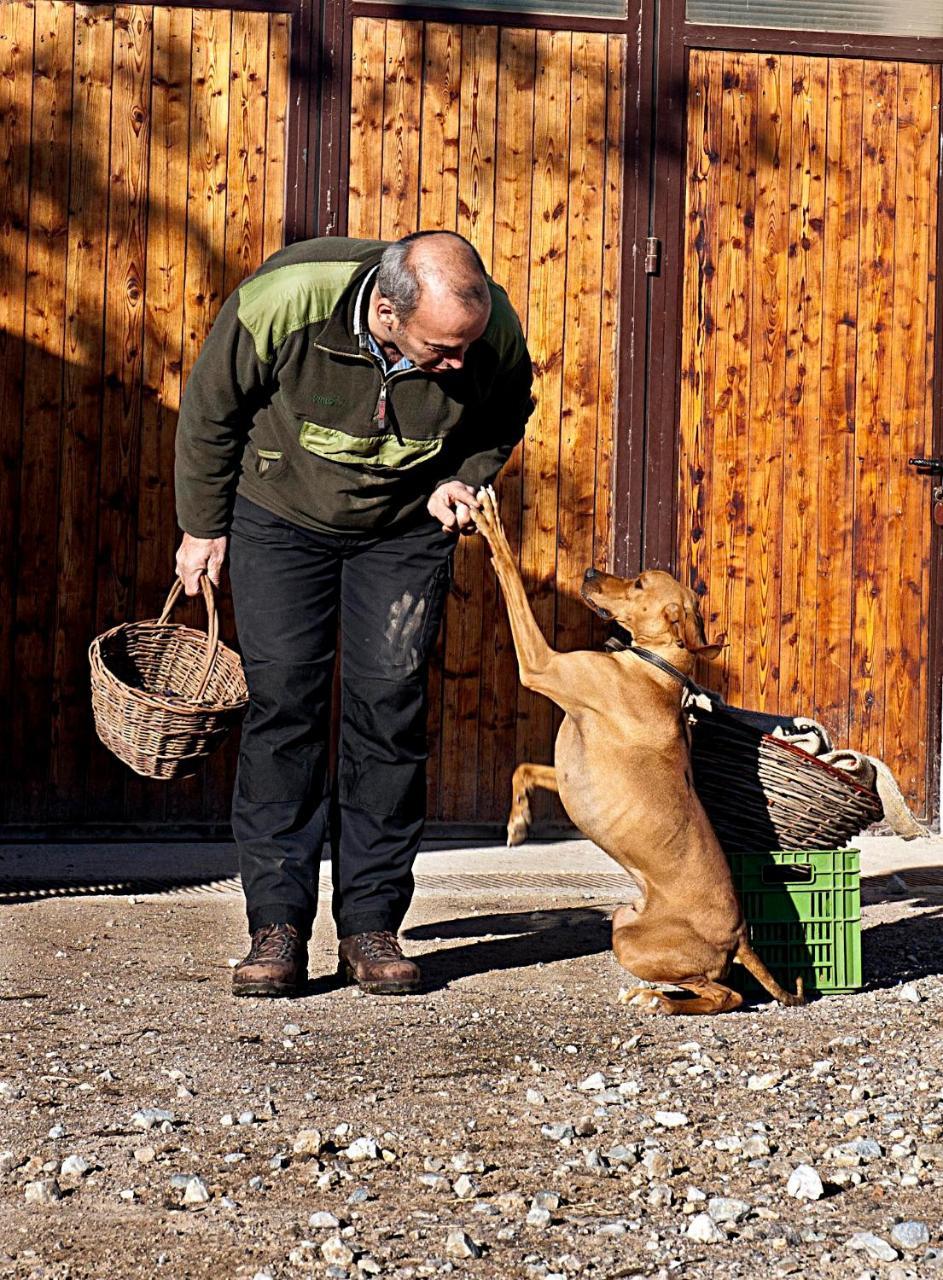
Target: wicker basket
(762,793)
(164,696)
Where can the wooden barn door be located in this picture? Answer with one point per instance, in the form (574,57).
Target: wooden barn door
(513,137)
(808,350)
(142,175)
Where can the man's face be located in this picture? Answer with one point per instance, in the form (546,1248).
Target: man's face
(436,336)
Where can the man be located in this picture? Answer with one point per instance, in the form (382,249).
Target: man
(348,402)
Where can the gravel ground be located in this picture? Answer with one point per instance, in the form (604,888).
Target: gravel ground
(513,1120)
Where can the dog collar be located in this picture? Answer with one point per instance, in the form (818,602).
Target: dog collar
(620,640)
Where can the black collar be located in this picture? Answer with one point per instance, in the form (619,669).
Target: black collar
(620,640)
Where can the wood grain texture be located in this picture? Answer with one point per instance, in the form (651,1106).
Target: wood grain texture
(399,211)
(831,689)
(366,127)
(17,23)
(873,392)
(42,401)
(808,113)
(907,567)
(767,398)
(511,266)
(72,730)
(465,623)
(842,269)
(276,133)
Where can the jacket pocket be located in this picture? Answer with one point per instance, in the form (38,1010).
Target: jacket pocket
(385,452)
(268,463)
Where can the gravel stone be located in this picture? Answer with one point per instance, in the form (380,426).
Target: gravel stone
(460,1245)
(671,1119)
(152,1117)
(321,1220)
(334,1250)
(705,1230)
(805,1184)
(196,1192)
(910,1235)
(873,1246)
(726,1209)
(76,1165)
(45,1191)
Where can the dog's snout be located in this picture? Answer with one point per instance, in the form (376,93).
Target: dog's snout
(590,574)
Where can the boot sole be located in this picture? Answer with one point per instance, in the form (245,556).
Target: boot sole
(267,988)
(345,972)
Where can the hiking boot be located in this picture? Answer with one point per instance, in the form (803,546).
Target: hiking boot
(375,962)
(277,963)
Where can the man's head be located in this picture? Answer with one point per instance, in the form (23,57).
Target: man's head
(431,300)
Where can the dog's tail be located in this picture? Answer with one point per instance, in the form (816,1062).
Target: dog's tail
(753,964)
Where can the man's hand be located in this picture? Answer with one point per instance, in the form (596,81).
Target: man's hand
(452,505)
(196,556)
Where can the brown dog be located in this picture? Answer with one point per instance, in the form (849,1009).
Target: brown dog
(623,773)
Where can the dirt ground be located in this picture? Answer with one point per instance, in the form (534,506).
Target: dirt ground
(470,1096)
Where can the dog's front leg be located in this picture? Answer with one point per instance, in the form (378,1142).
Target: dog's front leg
(535,658)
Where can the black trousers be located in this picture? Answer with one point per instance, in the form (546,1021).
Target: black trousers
(290,588)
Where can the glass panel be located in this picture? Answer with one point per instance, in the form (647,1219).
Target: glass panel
(867,17)
(571,8)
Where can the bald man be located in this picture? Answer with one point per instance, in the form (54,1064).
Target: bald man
(346,406)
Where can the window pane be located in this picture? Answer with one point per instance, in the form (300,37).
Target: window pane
(867,17)
(573,8)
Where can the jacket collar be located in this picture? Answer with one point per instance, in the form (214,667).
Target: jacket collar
(340,331)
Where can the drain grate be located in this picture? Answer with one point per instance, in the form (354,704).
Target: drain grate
(439,885)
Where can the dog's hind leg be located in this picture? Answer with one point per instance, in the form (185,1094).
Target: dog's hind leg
(527,777)
(708,998)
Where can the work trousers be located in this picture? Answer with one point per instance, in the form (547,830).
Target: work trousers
(291,587)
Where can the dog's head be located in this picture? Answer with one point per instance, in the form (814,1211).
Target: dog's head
(654,607)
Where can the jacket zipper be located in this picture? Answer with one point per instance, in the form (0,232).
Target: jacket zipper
(379,413)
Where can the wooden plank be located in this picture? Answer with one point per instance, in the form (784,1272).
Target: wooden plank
(461,712)
(908,526)
(699,322)
(245,183)
(511,268)
(276,133)
(839,375)
(82,404)
(767,399)
(581,355)
(803,378)
(872,595)
(16,96)
(549,209)
(245,192)
(734,214)
(204,269)
(438,209)
(163,336)
(439,141)
(399,211)
(366,127)
(610,300)
(123,362)
(42,403)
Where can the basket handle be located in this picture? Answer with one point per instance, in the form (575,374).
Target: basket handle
(212,627)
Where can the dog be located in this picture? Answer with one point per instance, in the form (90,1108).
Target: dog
(623,773)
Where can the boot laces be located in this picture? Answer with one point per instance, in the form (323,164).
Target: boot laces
(274,942)
(381,946)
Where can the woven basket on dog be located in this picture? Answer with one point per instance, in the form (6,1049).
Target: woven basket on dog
(164,696)
(763,794)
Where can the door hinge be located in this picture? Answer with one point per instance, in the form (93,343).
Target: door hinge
(652,256)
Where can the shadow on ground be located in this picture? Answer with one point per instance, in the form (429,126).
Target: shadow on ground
(903,950)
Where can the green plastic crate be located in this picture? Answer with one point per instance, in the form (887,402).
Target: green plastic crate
(803,908)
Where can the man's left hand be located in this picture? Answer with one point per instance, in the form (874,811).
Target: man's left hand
(451,504)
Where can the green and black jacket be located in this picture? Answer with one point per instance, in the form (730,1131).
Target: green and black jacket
(283,405)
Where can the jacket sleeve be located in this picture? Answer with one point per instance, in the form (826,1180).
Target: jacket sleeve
(500,424)
(225,386)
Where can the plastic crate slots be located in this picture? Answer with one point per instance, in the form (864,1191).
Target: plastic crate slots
(804,912)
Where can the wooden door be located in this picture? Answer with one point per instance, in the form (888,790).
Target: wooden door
(808,349)
(513,137)
(142,176)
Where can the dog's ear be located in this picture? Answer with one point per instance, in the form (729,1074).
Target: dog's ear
(687,626)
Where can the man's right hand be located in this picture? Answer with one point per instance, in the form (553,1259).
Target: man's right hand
(196,556)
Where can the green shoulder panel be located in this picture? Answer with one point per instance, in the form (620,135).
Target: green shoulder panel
(277,303)
(504,333)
